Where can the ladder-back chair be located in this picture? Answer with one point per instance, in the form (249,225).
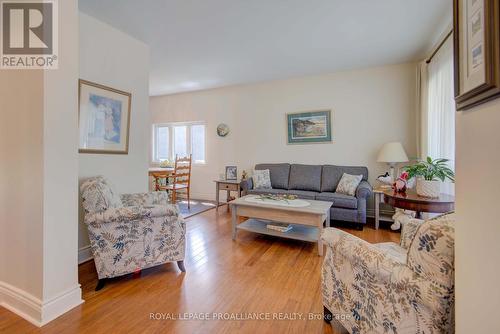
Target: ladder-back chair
(180,179)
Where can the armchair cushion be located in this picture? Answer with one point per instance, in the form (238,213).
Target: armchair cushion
(152,198)
(98,195)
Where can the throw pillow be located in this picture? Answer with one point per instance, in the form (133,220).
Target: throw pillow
(348,184)
(262,179)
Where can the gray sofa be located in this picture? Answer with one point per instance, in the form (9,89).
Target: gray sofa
(317,182)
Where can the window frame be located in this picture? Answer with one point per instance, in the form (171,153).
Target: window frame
(171,126)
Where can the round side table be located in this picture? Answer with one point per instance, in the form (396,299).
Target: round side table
(411,201)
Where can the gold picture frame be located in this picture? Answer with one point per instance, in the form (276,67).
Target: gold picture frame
(476,52)
(103,119)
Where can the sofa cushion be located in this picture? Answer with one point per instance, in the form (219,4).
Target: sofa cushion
(262,179)
(279,174)
(98,195)
(348,184)
(331,175)
(304,194)
(305,177)
(339,200)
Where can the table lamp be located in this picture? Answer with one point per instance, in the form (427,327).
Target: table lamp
(392,153)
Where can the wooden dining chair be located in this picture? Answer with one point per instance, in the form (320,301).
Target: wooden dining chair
(180,179)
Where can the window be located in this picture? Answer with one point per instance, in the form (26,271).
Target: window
(179,139)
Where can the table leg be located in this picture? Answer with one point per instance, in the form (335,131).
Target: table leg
(234,221)
(217,196)
(328,218)
(228,197)
(377,210)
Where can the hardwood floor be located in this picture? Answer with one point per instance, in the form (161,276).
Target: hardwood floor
(253,275)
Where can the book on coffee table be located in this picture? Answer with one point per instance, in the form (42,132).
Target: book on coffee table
(279,227)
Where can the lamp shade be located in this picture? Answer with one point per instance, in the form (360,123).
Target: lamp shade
(392,152)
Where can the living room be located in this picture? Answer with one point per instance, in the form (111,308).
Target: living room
(312,121)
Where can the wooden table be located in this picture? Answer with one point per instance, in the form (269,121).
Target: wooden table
(411,201)
(228,186)
(160,173)
(307,221)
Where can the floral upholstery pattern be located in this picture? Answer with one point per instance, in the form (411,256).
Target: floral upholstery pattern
(143,232)
(369,291)
(408,231)
(99,195)
(348,184)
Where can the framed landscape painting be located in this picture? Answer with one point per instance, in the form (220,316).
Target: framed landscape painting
(104,119)
(309,127)
(477,52)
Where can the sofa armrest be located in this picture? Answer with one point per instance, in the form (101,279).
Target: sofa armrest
(142,199)
(130,213)
(246,184)
(364,190)
(358,251)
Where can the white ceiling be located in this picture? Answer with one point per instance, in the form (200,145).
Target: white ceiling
(200,44)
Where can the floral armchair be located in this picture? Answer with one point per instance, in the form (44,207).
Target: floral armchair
(130,232)
(390,288)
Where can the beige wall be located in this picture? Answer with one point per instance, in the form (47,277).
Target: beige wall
(21,180)
(39,183)
(112,58)
(478,229)
(370,107)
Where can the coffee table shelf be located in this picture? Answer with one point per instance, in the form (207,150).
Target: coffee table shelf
(298,232)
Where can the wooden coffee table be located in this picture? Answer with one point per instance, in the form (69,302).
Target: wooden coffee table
(411,201)
(307,221)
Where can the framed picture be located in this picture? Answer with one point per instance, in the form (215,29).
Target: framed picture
(231,173)
(309,127)
(104,119)
(476,52)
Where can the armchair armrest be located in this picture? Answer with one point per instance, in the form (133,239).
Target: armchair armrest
(246,184)
(130,213)
(142,199)
(356,250)
(364,190)
(408,231)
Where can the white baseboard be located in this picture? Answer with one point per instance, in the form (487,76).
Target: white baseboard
(33,309)
(84,254)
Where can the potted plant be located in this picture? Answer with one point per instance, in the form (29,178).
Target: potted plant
(429,174)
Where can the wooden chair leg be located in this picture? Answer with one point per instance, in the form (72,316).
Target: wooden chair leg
(189,200)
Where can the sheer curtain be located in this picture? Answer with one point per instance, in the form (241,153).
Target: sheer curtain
(437,120)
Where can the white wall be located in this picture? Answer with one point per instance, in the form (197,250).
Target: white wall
(39,183)
(477,231)
(112,58)
(370,107)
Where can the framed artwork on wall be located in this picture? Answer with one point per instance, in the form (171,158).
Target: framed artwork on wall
(476,52)
(104,119)
(309,127)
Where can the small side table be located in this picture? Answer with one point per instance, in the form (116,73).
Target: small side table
(379,198)
(228,186)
